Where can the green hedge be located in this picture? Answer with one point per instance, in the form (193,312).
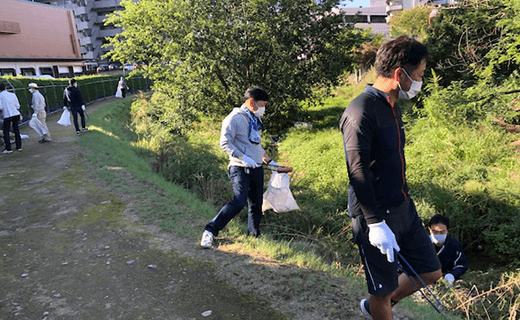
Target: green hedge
(93,87)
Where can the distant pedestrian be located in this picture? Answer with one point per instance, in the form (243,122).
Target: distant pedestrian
(72,98)
(38,105)
(121,88)
(10,106)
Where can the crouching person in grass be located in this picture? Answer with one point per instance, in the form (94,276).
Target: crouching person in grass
(240,139)
(384,218)
(449,250)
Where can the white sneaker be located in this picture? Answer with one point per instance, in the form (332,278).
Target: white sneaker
(364,305)
(207,239)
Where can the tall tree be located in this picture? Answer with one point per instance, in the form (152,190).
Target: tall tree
(203,54)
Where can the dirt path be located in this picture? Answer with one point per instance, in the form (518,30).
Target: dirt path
(65,252)
(71,248)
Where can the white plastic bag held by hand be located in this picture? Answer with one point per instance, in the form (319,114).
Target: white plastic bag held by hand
(37,126)
(382,237)
(278,196)
(65,117)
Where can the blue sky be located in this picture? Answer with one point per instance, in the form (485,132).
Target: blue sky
(355,3)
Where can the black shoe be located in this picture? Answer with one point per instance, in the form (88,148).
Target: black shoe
(42,141)
(85,129)
(78,132)
(5,151)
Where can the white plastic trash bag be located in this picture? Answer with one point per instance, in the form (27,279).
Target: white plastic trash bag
(37,126)
(119,93)
(65,118)
(278,196)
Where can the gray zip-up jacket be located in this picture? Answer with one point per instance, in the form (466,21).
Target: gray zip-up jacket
(234,139)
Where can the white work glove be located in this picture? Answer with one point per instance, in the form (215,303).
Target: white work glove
(64,108)
(248,162)
(83,107)
(381,237)
(450,278)
(34,114)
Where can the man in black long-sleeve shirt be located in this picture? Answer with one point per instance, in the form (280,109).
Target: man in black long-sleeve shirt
(384,216)
(72,98)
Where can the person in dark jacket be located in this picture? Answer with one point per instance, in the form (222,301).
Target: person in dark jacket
(72,98)
(384,219)
(449,250)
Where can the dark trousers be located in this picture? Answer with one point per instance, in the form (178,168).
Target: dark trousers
(248,186)
(123,91)
(75,112)
(16,129)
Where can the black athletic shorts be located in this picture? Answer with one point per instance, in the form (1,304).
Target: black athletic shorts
(416,248)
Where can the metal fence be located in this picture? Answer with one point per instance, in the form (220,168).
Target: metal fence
(91,90)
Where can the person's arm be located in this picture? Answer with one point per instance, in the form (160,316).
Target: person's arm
(80,98)
(41,102)
(33,103)
(359,127)
(460,264)
(227,138)
(358,131)
(16,102)
(65,98)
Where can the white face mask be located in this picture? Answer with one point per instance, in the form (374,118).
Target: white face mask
(260,111)
(438,238)
(31,90)
(414,88)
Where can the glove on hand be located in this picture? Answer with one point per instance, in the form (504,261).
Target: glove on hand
(450,278)
(248,162)
(381,237)
(64,108)
(34,115)
(83,107)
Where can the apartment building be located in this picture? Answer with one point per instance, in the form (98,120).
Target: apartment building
(372,17)
(92,32)
(38,40)
(394,6)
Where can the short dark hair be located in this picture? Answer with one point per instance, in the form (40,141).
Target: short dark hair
(438,218)
(399,52)
(257,93)
(72,81)
(2,87)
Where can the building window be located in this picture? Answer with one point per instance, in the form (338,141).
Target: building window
(104,12)
(28,72)
(46,71)
(358,18)
(7,72)
(378,19)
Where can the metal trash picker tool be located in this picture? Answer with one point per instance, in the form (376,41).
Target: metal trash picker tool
(400,257)
(279,168)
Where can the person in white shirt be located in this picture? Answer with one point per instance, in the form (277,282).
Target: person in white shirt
(10,106)
(38,104)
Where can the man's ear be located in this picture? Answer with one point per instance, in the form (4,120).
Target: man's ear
(250,103)
(397,74)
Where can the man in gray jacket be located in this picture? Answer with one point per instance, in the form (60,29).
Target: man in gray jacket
(240,139)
